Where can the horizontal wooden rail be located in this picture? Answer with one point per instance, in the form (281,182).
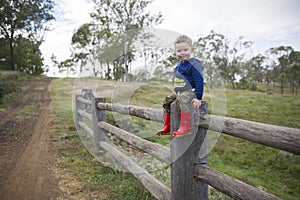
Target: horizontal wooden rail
(279,137)
(283,138)
(85,101)
(138,111)
(85,114)
(159,151)
(229,185)
(156,188)
(86,128)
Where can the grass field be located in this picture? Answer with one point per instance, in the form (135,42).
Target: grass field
(274,171)
(95,180)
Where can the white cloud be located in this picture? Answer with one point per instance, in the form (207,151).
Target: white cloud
(69,16)
(268,23)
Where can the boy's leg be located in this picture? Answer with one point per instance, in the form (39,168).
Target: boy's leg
(167,103)
(167,118)
(184,100)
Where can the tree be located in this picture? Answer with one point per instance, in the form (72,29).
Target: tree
(282,54)
(206,49)
(293,71)
(120,16)
(23,17)
(114,21)
(29,57)
(81,40)
(66,65)
(255,70)
(55,63)
(217,52)
(4,56)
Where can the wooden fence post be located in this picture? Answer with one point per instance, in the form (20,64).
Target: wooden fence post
(78,106)
(98,115)
(186,153)
(87,94)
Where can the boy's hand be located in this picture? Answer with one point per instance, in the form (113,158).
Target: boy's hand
(196,103)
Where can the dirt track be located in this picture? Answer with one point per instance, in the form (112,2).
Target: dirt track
(26,162)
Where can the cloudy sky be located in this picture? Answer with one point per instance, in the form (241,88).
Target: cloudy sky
(268,23)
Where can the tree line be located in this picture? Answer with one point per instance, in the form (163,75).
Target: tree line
(277,66)
(107,48)
(22,28)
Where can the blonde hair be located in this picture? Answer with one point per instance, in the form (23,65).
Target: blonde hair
(183,38)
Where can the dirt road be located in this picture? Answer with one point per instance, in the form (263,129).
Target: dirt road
(26,162)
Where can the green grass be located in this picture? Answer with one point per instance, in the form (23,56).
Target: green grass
(263,107)
(272,170)
(96,179)
(13,82)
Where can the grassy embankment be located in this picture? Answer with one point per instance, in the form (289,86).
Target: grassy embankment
(12,83)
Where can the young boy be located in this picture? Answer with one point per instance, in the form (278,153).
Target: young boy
(190,70)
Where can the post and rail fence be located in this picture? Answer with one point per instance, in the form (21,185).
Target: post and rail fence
(190,173)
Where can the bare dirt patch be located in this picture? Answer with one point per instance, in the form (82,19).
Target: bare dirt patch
(26,160)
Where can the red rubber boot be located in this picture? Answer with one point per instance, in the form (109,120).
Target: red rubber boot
(166,128)
(185,125)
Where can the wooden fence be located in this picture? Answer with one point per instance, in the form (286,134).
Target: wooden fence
(190,174)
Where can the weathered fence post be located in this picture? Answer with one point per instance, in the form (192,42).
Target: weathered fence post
(87,94)
(78,106)
(186,153)
(98,115)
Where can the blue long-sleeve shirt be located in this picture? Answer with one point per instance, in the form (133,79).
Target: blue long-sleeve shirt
(191,72)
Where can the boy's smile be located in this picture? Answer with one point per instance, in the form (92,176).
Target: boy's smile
(183,51)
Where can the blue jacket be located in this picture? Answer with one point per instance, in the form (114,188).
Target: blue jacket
(191,72)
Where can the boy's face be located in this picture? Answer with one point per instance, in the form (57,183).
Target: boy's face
(183,51)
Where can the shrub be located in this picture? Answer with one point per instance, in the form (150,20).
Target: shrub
(6,88)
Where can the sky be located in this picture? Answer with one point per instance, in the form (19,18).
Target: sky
(267,23)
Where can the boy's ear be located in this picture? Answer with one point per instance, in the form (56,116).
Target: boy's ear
(193,49)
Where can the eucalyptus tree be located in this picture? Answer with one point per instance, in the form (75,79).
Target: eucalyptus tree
(255,72)
(116,21)
(293,71)
(287,68)
(207,48)
(26,18)
(221,57)
(281,55)
(81,40)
